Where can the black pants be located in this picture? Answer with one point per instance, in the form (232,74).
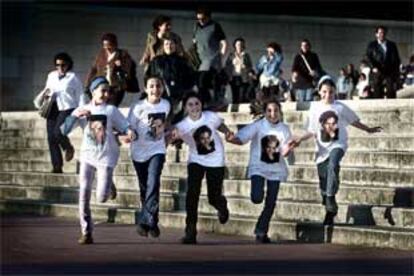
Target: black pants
(55,138)
(239,90)
(215,195)
(209,80)
(384,85)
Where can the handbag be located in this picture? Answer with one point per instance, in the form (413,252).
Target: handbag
(44,102)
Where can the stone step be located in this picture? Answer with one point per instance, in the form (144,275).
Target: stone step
(373,236)
(377,142)
(293,191)
(315,212)
(297,173)
(373,159)
(64,195)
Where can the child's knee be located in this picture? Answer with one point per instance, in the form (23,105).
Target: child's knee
(257,198)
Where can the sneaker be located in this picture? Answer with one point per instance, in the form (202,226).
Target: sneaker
(69,154)
(114,193)
(155,232)
(189,240)
(142,230)
(331,205)
(223,216)
(57,170)
(263,239)
(85,239)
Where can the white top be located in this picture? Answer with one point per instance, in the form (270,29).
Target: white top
(267,142)
(148,120)
(208,151)
(99,146)
(325,143)
(68,89)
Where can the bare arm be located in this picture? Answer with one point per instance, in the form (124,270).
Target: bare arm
(366,128)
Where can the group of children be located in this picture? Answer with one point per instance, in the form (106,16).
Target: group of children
(148,132)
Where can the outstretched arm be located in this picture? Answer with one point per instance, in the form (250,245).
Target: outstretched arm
(366,128)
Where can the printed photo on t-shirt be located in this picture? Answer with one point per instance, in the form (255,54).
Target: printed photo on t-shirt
(156,124)
(329,126)
(203,137)
(96,129)
(270,149)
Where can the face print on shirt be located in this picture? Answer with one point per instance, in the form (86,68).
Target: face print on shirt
(96,129)
(329,126)
(270,149)
(204,140)
(156,124)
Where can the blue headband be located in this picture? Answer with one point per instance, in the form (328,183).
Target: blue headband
(96,82)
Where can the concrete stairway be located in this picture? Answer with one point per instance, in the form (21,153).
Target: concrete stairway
(376,197)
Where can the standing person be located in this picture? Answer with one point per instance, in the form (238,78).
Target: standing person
(239,67)
(66,89)
(269,145)
(148,117)
(117,66)
(345,85)
(211,46)
(352,73)
(178,76)
(327,122)
(307,70)
(99,150)
(269,70)
(385,62)
(161,26)
(206,158)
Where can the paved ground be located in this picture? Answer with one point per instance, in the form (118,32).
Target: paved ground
(46,245)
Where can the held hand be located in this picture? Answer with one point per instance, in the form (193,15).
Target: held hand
(375,129)
(132,135)
(230,136)
(80,113)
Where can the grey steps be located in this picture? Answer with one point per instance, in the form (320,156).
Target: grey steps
(297,173)
(396,160)
(374,236)
(70,195)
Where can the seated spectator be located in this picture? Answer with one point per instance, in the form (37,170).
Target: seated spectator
(408,71)
(154,46)
(363,87)
(238,67)
(352,73)
(344,85)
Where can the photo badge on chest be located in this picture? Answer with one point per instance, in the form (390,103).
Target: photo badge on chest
(156,125)
(203,137)
(96,129)
(329,126)
(270,149)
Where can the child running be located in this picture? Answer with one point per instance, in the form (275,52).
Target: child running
(148,118)
(327,122)
(269,145)
(206,157)
(99,150)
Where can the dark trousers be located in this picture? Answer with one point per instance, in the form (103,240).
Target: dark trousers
(270,92)
(328,172)
(208,80)
(149,178)
(116,97)
(257,196)
(215,195)
(55,138)
(239,90)
(384,85)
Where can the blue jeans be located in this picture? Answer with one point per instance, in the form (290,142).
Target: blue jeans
(149,177)
(304,95)
(257,195)
(328,172)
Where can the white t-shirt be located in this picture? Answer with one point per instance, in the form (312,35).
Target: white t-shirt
(68,89)
(267,142)
(99,146)
(339,139)
(148,120)
(206,147)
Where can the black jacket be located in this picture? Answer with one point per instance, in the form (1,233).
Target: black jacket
(305,79)
(387,64)
(177,74)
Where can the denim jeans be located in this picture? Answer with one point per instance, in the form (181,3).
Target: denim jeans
(304,95)
(56,139)
(215,195)
(257,195)
(328,172)
(103,184)
(149,178)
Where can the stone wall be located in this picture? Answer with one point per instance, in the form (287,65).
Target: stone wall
(32,34)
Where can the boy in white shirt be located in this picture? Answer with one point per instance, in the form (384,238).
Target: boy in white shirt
(148,117)
(327,122)
(99,150)
(206,157)
(269,145)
